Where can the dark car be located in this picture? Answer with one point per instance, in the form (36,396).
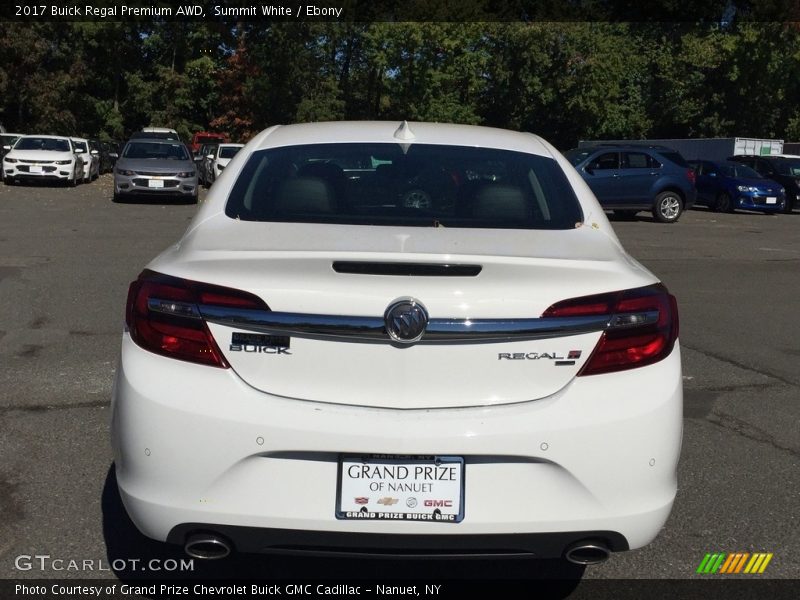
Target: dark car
(782,169)
(631,178)
(111,150)
(727,185)
(204,160)
(98,149)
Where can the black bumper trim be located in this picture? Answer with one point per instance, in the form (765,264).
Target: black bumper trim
(288,541)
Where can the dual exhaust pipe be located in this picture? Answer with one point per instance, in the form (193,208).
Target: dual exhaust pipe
(210,546)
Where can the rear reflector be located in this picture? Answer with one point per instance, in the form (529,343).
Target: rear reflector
(641,331)
(163,317)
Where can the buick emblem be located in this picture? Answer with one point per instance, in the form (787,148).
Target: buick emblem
(406,320)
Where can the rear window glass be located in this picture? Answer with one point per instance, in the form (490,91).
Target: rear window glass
(37,143)
(404,184)
(155,150)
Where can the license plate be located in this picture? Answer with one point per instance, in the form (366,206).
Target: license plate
(401,488)
(35,169)
(156,183)
(772,200)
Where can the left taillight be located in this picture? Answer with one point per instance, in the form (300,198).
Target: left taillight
(163,316)
(691,176)
(642,327)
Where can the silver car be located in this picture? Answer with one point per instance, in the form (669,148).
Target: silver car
(154,167)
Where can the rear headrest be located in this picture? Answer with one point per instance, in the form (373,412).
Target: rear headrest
(304,195)
(499,201)
(328,171)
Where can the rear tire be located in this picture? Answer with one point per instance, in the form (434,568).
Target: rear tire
(668,207)
(788,206)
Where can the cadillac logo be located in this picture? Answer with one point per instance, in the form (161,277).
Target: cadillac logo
(406,320)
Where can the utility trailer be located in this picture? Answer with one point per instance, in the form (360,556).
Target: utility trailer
(705,148)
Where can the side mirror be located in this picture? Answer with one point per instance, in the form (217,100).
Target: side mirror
(211,156)
(6,147)
(79,150)
(113,155)
(94,153)
(589,169)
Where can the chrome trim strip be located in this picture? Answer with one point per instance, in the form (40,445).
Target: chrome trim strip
(352,328)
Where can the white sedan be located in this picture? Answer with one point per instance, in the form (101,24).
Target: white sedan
(218,161)
(399,338)
(90,158)
(43,158)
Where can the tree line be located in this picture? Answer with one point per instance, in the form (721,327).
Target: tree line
(563,80)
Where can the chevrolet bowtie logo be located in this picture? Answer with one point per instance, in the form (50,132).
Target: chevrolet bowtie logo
(388,501)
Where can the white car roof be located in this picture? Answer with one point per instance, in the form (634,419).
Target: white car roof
(399,132)
(158,130)
(48,137)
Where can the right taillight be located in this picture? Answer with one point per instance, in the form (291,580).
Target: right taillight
(163,316)
(642,328)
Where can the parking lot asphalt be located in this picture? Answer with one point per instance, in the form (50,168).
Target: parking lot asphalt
(67,256)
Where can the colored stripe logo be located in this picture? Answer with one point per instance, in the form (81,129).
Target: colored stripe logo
(734,563)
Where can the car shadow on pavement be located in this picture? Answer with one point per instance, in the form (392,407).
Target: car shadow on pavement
(136,558)
(154,200)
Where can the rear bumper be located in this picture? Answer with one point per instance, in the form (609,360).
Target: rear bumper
(203,450)
(287,541)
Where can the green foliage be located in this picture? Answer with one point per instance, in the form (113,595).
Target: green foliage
(563,80)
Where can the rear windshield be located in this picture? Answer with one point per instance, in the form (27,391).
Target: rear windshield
(155,150)
(404,184)
(228,151)
(37,143)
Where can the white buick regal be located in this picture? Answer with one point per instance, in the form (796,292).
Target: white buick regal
(404,339)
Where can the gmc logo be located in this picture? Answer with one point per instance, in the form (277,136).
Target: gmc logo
(444,503)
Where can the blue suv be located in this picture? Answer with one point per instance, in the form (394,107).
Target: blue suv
(631,178)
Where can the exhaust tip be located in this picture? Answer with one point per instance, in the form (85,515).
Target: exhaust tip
(587,552)
(207,546)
